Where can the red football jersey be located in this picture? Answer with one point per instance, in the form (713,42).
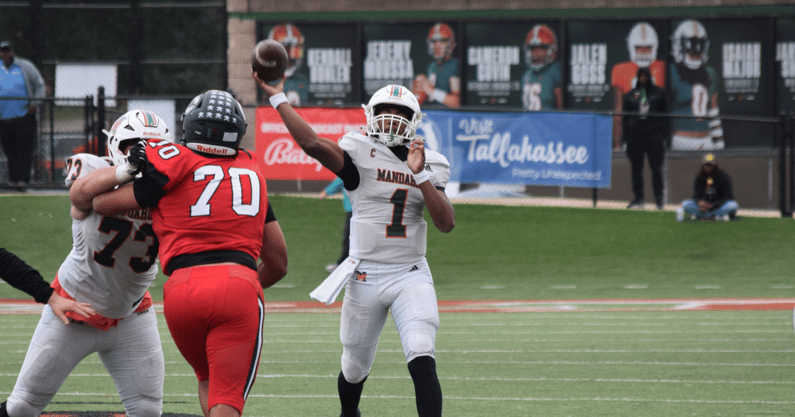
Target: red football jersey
(210,203)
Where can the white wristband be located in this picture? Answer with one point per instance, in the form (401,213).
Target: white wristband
(122,175)
(438,95)
(277,99)
(421,177)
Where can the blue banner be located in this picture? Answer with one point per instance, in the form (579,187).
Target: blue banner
(534,148)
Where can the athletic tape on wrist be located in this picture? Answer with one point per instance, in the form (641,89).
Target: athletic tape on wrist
(421,177)
(122,175)
(277,99)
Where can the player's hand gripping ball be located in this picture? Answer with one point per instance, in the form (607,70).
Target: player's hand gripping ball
(269,60)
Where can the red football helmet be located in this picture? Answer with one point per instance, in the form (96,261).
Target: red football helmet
(441,41)
(292,39)
(540,36)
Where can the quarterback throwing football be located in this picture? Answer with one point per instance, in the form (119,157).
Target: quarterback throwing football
(389,185)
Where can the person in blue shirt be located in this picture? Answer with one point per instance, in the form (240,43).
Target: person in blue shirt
(334,188)
(19,78)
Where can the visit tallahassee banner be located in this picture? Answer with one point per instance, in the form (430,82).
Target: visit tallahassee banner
(534,148)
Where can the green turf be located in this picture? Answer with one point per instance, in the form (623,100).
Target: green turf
(616,364)
(498,252)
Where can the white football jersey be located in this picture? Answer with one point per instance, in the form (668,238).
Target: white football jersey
(112,262)
(387,223)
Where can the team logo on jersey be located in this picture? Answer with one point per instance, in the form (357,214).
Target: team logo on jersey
(361,276)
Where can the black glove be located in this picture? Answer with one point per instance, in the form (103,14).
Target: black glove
(136,158)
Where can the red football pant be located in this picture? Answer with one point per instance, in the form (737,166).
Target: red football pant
(215,315)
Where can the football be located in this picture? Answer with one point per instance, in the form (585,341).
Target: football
(269,60)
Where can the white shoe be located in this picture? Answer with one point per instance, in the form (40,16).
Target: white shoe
(680,214)
(331,267)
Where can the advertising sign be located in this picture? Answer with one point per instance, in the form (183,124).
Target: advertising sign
(280,158)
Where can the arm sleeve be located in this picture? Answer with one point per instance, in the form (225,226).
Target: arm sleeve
(270,216)
(23,277)
(334,187)
(147,191)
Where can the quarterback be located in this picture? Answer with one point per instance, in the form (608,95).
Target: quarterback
(110,267)
(389,185)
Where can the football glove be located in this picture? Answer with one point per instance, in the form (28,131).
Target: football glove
(136,158)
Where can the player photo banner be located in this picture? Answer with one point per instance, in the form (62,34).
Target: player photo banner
(785,64)
(536,148)
(280,158)
(604,58)
(423,57)
(514,64)
(321,69)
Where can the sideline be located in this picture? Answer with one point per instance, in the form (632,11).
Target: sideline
(496,201)
(29,307)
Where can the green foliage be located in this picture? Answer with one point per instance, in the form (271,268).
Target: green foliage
(498,252)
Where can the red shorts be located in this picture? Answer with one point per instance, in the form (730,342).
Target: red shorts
(215,315)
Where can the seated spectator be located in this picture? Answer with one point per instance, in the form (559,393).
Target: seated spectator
(713,198)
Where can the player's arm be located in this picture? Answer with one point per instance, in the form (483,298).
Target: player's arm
(327,152)
(25,278)
(85,188)
(439,206)
(274,252)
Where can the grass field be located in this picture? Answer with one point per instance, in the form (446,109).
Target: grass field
(580,360)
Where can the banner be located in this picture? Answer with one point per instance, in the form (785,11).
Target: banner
(537,148)
(514,64)
(280,158)
(321,69)
(785,67)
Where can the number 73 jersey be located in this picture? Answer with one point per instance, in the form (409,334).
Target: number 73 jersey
(387,223)
(207,204)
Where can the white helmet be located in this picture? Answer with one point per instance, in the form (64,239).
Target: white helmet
(642,34)
(397,130)
(689,44)
(133,126)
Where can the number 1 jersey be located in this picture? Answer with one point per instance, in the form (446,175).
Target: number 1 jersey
(387,223)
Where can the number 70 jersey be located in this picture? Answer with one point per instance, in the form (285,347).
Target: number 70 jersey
(387,223)
(209,203)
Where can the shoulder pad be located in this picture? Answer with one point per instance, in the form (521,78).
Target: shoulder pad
(81,164)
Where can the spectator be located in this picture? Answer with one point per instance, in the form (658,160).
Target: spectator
(334,188)
(18,132)
(713,198)
(645,135)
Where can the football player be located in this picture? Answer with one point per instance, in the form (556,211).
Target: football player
(210,210)
(297,85)
(642,45)
(441,82)
(694,91)
(542,83)
(389,185)
(110,267)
